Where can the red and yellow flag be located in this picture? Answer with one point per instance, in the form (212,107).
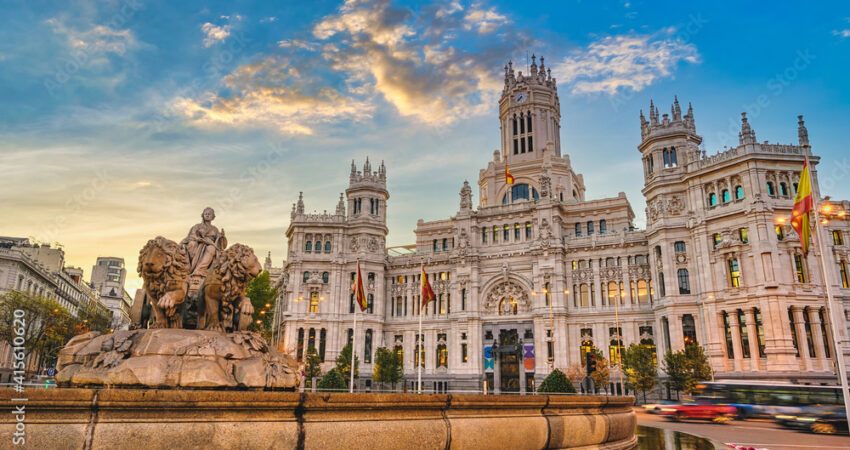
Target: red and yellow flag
(427,292)
(359,291)
(508,177)
(803,205)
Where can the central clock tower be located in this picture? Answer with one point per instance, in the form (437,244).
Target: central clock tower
(529,114)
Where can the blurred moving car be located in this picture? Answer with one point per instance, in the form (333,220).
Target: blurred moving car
(655,408)
(827,419)
(700,409)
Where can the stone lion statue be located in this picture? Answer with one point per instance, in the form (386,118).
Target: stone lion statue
(164,267)
(224,290)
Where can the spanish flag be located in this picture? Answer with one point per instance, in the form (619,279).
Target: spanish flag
(803,206)
(359,291)
(508,177)
(427,292)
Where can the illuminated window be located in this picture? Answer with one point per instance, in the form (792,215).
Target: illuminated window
(517,232)
(734,273)
(744,235)
(506,233)
(717,239)
(528,233)
(615,347)
(586,344)
(842,269)
(780,232)
(837,238)
(442,351)
(726,196)
(712,199)
(642,292)
(739,193)
(575,265)
(314,302)
(495,234)
(464,354)
(612,292)
(689,330)
(419,351)
(584,291)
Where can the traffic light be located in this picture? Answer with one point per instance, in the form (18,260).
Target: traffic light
(590,363)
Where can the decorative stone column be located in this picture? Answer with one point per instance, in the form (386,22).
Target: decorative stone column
(736,342)
(818,338)
(752,330)
(802,342)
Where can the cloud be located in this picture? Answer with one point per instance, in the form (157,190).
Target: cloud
(845,33)
(214,34)
(395,53)
(632,62)
(97,40)
(272,93)
(298,44)
(484,20)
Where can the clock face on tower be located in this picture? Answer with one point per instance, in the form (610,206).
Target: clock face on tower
(520,97)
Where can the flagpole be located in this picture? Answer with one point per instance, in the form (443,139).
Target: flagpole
(357,282)
(836,342)
(419,352)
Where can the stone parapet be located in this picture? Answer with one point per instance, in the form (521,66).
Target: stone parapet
(171,419)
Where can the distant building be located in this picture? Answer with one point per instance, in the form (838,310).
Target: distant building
(39,269)
(108,277)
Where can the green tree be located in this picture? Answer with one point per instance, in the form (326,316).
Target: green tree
(262,295)
(556,382)
(343,364)
(676,370)
(602,375)
(332,381)
(698,366)
(388,368)
(685,368)
(43,323)
(640,368)
(312,366)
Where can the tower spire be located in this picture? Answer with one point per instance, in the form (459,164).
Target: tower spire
(802,132)
(677,111)
(747,134)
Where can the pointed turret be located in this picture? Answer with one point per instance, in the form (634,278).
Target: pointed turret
(677,111)
(802,132)
(653,113)
(533,68)
(300,208)
(340,206)
(747,134)
(382,171)
(367,167)
(353,169)
(267,265)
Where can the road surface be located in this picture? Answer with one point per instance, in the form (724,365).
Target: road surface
(759,434)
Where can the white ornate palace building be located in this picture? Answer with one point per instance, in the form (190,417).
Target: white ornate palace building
(537,274)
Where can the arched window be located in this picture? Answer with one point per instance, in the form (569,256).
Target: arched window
(308,247)
(300,346)
(684,281)
(665,158)
(603,226)
(689,330)
(506,233)
(615,347)
(508,306)
(662,289)
(770,190)
(515,126)
(726,196)
(739,193)
(589,227)
(584,292)
(642,292)
(578,229)
(783,189)
(612,292)
(325,277)
(586,344)
(327,246)
(528,123)
(712,199)
(727,331)
(521,191)
(609,262)
(370,304)
(306,276)
(521,123)
(323,334)
(367,347)
(679,247)
(318,247)
(528,233)
(517,232)
(673,160)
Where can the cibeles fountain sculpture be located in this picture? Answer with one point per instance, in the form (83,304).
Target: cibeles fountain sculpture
(190,324)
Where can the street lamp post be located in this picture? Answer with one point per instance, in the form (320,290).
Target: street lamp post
(823,214)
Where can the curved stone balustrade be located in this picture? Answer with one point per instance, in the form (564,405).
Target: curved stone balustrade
(173,419)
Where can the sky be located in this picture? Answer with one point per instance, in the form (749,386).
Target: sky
(122,120)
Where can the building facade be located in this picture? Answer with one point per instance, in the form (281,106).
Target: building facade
(107,277)
(537,275)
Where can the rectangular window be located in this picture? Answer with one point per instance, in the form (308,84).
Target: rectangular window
(530,143)
(550,351)
(745,334)
(528,230)
(780,233)
(516,146)
(793,331)
(837,238)
(464,355)
(463,299)
(842,269)
(744,235)
(734,273)
(506,233)
(517,232)
(717,239)
(589,228)
(483,235)
(522,145)
(727,331)
(800,268)
(495,234)
(314,302)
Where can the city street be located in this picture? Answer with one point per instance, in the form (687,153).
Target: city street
(759,434)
